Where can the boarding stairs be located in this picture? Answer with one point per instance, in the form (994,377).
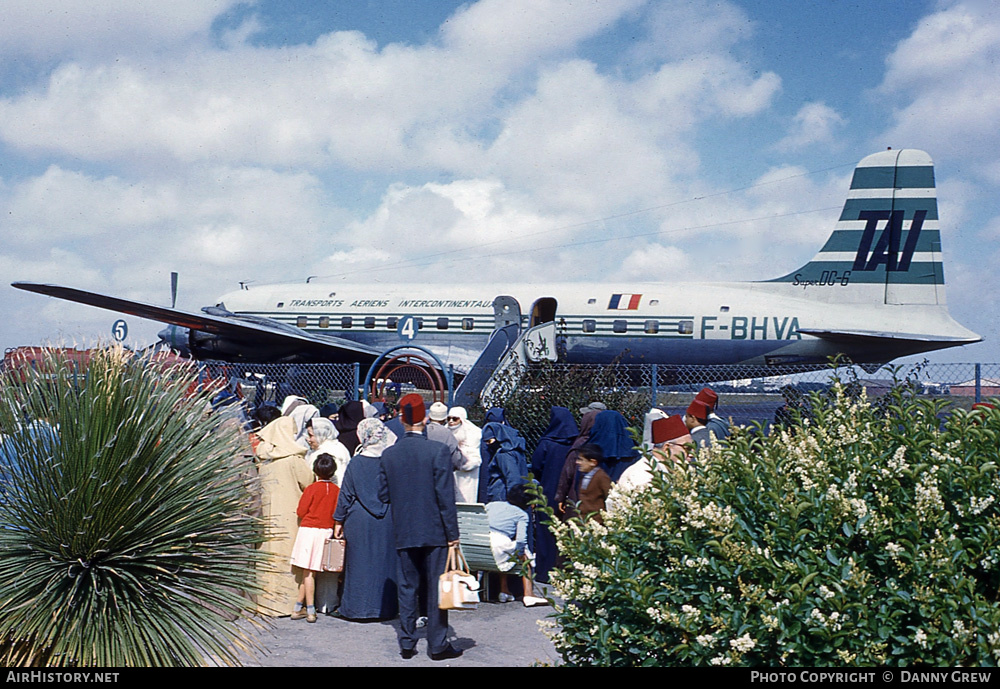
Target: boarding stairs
(505,357)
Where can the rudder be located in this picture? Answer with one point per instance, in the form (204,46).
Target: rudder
(886,246)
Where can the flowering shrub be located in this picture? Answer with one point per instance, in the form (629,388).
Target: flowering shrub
(865,536)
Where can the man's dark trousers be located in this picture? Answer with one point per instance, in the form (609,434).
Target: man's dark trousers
(422,567)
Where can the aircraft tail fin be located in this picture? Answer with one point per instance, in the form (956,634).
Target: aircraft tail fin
(886,246)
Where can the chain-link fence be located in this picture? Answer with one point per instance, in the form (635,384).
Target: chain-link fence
(260,384)
(745,396)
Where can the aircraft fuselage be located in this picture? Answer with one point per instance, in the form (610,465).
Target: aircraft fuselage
(696,324)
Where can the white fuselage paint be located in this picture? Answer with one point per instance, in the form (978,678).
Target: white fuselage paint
(710,323)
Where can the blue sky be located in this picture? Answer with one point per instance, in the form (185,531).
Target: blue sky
(269,141)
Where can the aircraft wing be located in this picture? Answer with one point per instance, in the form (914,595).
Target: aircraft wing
(875,336)
(256,339)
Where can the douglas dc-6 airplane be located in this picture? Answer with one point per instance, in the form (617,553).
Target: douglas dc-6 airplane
(874,292)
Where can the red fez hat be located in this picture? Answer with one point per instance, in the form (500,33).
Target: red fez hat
(708,396)
(698,410)
(670,428)
(411,407)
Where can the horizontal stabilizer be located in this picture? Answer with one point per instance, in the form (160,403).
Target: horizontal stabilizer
(878,336)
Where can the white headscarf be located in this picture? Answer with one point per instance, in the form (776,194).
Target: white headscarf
(647,426)
(291,402)
(374,438)
(326,435)
(323,429)
(469,437)
(301,414)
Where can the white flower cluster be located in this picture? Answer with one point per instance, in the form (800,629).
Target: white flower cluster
(571,586)
(920,638)
(706,640)
(833,621)
(943,458)
(744,644)
(826,593)
(898,464)
(548,628)
(696,562)
(959,632)
(805,449)
(702,516)
(846,657)
(859,508)
(994,639)
(691,612)
(976,506)
(894,549)
(721,660)
(657,615)
(589,571)
(928,494)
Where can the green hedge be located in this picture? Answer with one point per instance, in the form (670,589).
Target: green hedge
(868,535)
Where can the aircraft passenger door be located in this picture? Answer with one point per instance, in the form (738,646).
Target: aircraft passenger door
(543,311)
(506,311)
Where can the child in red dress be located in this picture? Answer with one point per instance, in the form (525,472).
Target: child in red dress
(316,507)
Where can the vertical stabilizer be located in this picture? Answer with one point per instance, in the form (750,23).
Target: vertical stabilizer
(886,247)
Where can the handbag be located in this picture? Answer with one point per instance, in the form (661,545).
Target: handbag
(333,554)
(457,588)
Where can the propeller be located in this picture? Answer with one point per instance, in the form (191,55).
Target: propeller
(172,337)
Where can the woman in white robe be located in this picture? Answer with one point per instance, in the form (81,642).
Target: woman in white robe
(469,437)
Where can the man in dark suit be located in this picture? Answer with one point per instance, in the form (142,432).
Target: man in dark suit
(416,477)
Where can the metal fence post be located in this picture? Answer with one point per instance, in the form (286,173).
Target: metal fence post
(356,390)
(652,388)
(451,385)
(979,383)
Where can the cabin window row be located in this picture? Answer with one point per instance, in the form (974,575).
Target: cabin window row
(650,327)
(391,323)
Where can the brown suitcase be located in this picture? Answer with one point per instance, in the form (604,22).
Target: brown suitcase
(333,554)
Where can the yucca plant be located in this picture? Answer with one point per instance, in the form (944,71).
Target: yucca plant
(126,528)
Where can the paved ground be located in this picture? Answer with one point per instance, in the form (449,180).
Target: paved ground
(495,635)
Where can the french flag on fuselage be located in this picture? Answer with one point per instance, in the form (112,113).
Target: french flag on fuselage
(624,302)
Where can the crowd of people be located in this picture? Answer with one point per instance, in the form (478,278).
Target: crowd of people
(355,472)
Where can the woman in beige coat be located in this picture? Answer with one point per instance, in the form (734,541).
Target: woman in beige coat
(284,474)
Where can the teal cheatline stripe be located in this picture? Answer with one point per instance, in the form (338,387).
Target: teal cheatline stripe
(906,177)
(840,274)
(853,207)
(850,240)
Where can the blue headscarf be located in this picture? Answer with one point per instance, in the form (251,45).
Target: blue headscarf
(610,432)
(550,454)
(496,415)
(508,463)
(508,437)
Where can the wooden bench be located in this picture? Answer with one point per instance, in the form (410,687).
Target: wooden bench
(474,532)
